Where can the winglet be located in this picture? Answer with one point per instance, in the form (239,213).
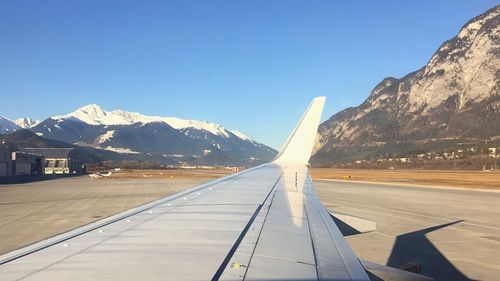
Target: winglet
(298,147)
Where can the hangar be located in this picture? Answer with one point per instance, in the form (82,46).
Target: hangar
(55,160)
(26,163)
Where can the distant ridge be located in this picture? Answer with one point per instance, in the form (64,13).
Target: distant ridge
(165,140)
(7,126)
(25,138)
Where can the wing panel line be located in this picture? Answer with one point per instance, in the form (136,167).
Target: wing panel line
(228,257)
(258,237)
(312,239)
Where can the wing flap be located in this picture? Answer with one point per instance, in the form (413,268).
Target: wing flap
(350,225)
(381,272)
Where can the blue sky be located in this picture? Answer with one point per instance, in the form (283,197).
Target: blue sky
(248,65)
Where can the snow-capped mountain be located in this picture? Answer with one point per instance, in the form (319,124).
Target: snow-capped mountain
(93,114)
(27,122)
(455,96)
(7,126)
(168,140)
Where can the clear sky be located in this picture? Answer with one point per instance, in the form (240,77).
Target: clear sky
(248,65)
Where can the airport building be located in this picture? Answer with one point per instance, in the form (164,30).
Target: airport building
(26,163)
(5,164)
(57,160)
(37,161)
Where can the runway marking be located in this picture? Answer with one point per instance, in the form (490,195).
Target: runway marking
(131,190)
(404,184)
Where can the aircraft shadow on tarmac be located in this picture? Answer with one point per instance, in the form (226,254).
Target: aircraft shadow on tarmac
(415,247)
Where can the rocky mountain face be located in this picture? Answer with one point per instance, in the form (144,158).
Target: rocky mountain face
(455,96)
(167,140)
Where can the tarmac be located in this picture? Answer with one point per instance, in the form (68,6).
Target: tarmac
(453,233)
(30,212)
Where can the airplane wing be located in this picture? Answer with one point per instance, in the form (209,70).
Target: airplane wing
(264,223)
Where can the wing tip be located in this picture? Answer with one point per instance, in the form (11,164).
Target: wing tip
(298,147)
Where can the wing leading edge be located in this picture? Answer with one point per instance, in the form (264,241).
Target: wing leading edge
(261,224)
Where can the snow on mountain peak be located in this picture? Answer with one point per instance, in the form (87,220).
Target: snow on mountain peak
(241,135)
(213,128)
(93,114)
(90,107)
(26,122)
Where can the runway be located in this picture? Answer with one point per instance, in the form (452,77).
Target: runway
(453,233)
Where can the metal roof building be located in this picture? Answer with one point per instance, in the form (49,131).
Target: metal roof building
(50,152)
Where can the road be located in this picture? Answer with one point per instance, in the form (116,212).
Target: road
(453,233)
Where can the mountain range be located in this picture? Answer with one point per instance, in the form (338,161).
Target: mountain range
(454,97)
(134,136)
